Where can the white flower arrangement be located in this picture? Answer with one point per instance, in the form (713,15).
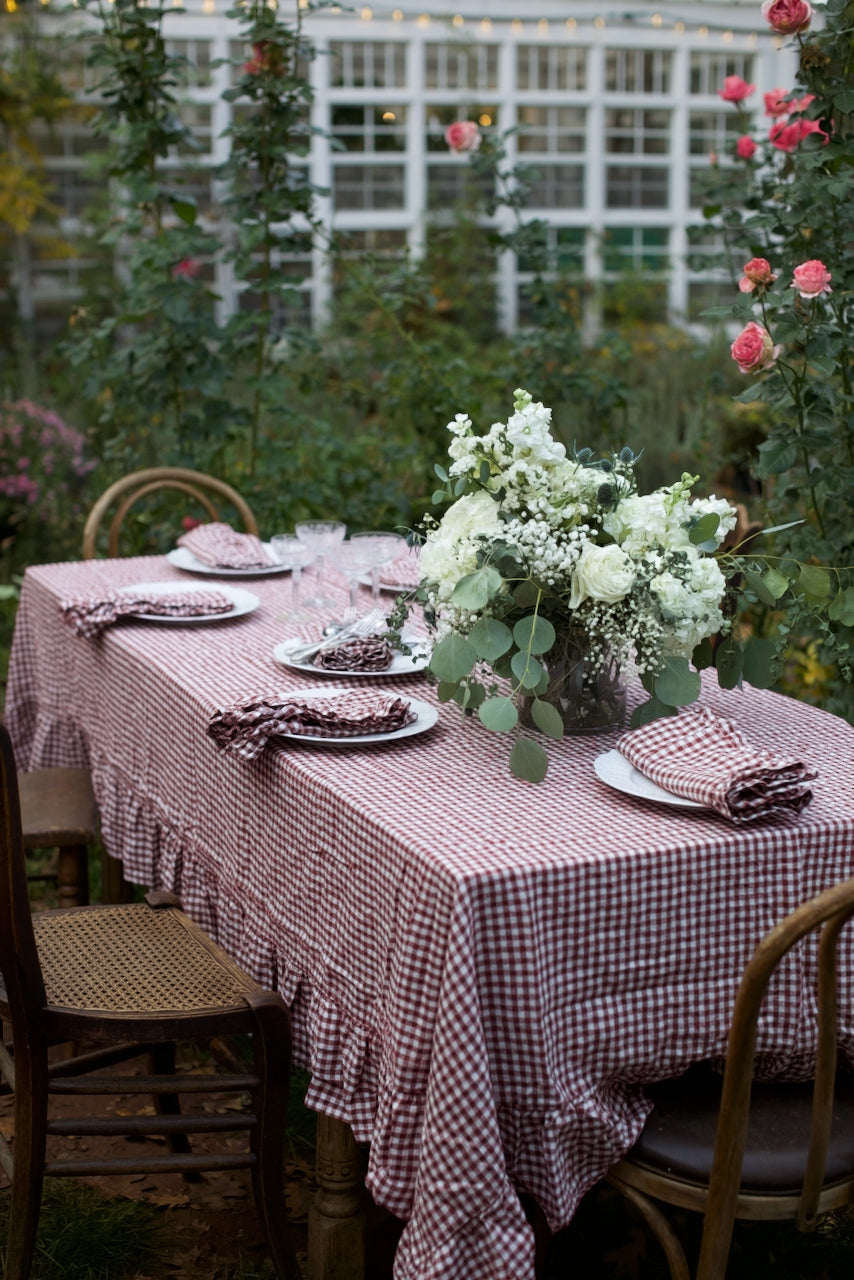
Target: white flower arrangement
(538,543)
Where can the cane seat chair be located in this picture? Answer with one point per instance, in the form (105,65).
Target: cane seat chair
(58,811)
(733,1148)
(127,491)
(124,980)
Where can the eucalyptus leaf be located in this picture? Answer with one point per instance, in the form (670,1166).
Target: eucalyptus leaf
(453,658)
(446,689)
(729,661)
(498,714)
(759,657)
(677,684)
(547,718)
(654,709)
(776,583)
(475,590)
(756,582)
(534,633)
(705,529)
(528,760)
(703,655)
(469,696)
(814,581)
(526,594)
(490,638)
(527,670)
(842,608)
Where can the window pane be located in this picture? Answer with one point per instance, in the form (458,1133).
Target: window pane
(361,64)
(555,186)
(551,67)
(636,188)
(636,132)
(551,129)
(709,70)
(368,186)
(637,70)
(363,127)
(458,66)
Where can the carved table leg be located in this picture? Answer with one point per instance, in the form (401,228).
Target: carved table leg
(336,1220)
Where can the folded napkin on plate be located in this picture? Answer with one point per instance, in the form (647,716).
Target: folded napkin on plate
(701,756)
(222,547)
(403,570)
(246,727)
(359,653)
(89,615)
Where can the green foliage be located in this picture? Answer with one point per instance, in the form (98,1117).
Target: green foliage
(790,207)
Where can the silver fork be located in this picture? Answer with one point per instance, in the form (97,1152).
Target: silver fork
(361,627)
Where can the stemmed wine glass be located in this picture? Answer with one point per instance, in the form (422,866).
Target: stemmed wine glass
(294,555)
(320,537)
(386,546)
(355,558)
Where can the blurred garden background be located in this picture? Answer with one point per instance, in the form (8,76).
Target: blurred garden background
(344,414)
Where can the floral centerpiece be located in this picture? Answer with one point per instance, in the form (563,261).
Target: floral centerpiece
(550,575)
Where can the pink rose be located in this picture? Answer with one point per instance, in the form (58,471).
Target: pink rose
(801,104)
(735,89)
(745,148)
(787,137)
(787,16)
(754,349)
(190,522)
(775,102)
(812,279)
(266,56)
(757,274)
(463,135)
(186,269)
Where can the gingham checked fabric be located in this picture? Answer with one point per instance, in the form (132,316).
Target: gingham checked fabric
(222,547)
(246,727)
(359,653)
(403,570)
(90,615)
(704,757)
(482,972)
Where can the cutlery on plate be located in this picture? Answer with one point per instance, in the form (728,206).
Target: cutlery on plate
(364,626)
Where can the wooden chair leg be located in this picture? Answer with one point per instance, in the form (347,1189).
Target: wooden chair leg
(28,1160)
(114,887)
(661,1229)
(73,875)
(162,1063)
(272,1050)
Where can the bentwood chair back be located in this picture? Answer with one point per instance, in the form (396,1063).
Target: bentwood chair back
(741,1149)
(127,979)
(127,491)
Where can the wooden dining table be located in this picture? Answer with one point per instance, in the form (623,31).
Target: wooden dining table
(483,972)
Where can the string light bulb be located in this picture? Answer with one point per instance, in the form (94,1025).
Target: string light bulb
(457,20)
(727,37)
(397,15)
(367,13)
(599,22)
(543,26)
(486,24)
(656,20)
(516,27)
(423,20)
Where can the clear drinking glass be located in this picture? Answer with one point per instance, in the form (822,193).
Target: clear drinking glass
(386,546)
(356,558)
(294,555)
(320,537)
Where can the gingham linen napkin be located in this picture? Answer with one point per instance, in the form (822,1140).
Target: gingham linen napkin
(706,758)
(359,653)
(245,727)
(222,547)
(403,570)
(89,615)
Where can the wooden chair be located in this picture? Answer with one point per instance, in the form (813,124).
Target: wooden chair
(738,1149)
(127,979)
(58,811)
(130,488)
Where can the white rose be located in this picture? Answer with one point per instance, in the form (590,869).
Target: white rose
(672,594)
(450,551)
(602,573)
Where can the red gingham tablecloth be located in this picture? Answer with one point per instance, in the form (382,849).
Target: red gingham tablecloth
(482,971)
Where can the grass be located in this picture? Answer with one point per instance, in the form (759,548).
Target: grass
(84,1236)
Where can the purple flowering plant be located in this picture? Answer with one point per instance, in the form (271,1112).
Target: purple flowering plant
(43,465)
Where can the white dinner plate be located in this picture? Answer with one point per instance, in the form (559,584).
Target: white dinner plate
(182,558)
(243,602)
(402,664)
(614,769)
(426,717)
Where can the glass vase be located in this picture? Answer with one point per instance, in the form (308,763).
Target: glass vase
(589,694)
